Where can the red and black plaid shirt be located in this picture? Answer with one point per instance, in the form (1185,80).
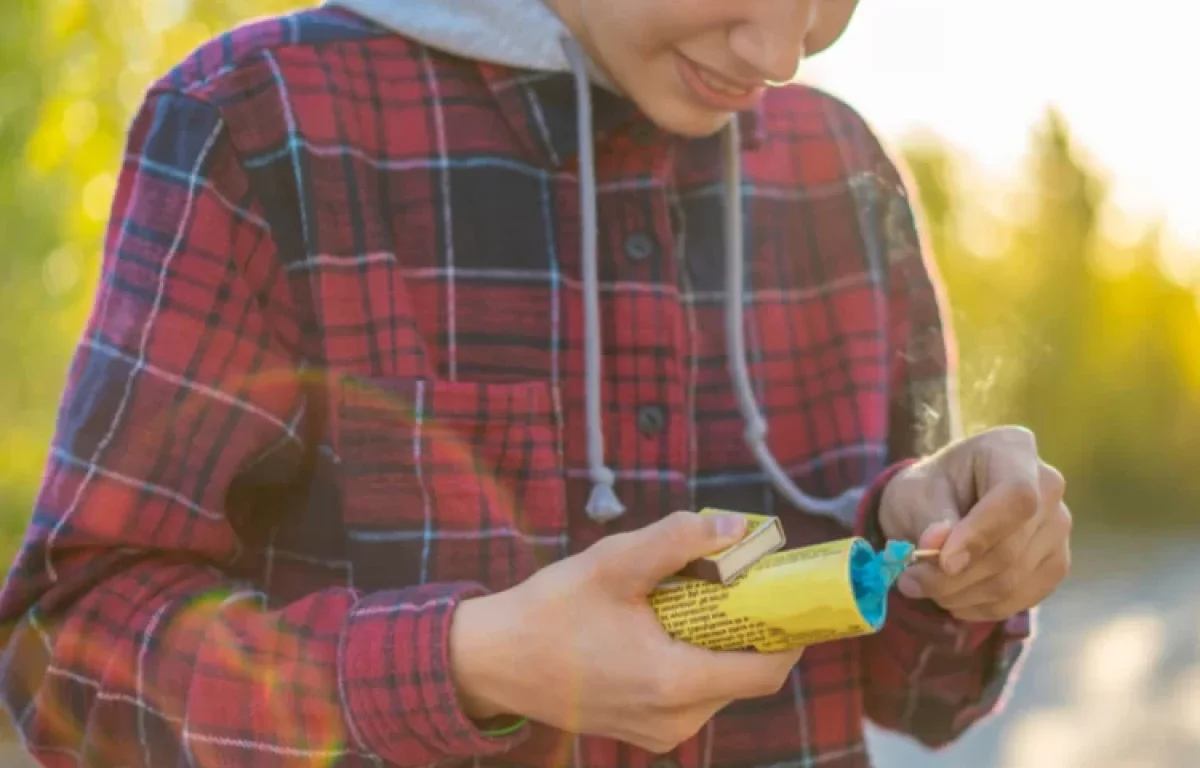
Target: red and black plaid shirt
(332,384)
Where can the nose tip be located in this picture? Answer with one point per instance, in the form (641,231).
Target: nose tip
(774,54)
(785,67)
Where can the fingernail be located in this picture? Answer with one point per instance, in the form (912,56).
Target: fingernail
(911,587)
(957,562)
(730,526)
(938,527)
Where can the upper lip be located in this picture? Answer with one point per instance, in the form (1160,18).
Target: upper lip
(732,82)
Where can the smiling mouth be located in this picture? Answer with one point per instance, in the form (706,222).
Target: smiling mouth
(719,83)
(715,90)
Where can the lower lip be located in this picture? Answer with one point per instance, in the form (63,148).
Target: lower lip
(714,99)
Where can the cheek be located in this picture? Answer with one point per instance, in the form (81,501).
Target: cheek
(651,27)
(623,44)
(638,39)
(684,19)
(619,24)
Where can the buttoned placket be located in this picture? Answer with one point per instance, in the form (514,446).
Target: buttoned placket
(645,261)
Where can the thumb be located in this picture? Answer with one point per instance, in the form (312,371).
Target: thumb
(647,556)
(935,525)
(935,535)
(932,526)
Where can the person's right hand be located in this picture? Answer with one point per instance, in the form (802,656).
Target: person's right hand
(578,647)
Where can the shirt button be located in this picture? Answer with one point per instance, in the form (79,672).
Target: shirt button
(639,246)
(651,419)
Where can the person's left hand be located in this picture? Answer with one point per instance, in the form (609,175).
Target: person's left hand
(996,511)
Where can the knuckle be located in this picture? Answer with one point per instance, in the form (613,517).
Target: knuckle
(1066,519)
(601,562)
(668,689)
(1021,435)
(680,518)
(606,548)
(1009,551)
(680,526)
(1053,484)
(1012,435)
(1024,500)
(977,543)
(1004,584)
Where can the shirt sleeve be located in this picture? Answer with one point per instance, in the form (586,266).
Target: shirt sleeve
(131,636)
(926,674)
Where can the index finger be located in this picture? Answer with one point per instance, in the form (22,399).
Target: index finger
(1001,513)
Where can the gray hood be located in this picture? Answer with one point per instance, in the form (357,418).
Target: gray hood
(523,34)
(527,34)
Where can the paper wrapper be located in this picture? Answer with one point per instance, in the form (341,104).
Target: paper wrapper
(787,599)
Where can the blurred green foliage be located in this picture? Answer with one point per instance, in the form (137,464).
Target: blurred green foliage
(1084,338)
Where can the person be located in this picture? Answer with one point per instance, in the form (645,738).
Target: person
(424,330)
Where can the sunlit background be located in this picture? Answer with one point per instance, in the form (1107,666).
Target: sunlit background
(1053,143)
(981,73)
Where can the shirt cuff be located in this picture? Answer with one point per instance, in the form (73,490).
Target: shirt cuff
(936,627)
(867,519)
(400,700)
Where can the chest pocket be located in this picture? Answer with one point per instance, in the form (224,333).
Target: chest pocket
(447,481)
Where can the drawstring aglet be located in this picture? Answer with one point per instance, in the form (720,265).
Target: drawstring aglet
(603,506)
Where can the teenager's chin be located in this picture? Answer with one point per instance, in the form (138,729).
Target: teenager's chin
(687,121)
(667,103)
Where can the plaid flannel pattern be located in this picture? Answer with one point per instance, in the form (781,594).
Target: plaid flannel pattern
(332,385)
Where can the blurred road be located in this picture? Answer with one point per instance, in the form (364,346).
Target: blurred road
(1113,680)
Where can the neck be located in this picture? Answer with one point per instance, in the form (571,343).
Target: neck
(573,15)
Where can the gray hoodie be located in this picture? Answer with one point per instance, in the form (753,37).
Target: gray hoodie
(527,34)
